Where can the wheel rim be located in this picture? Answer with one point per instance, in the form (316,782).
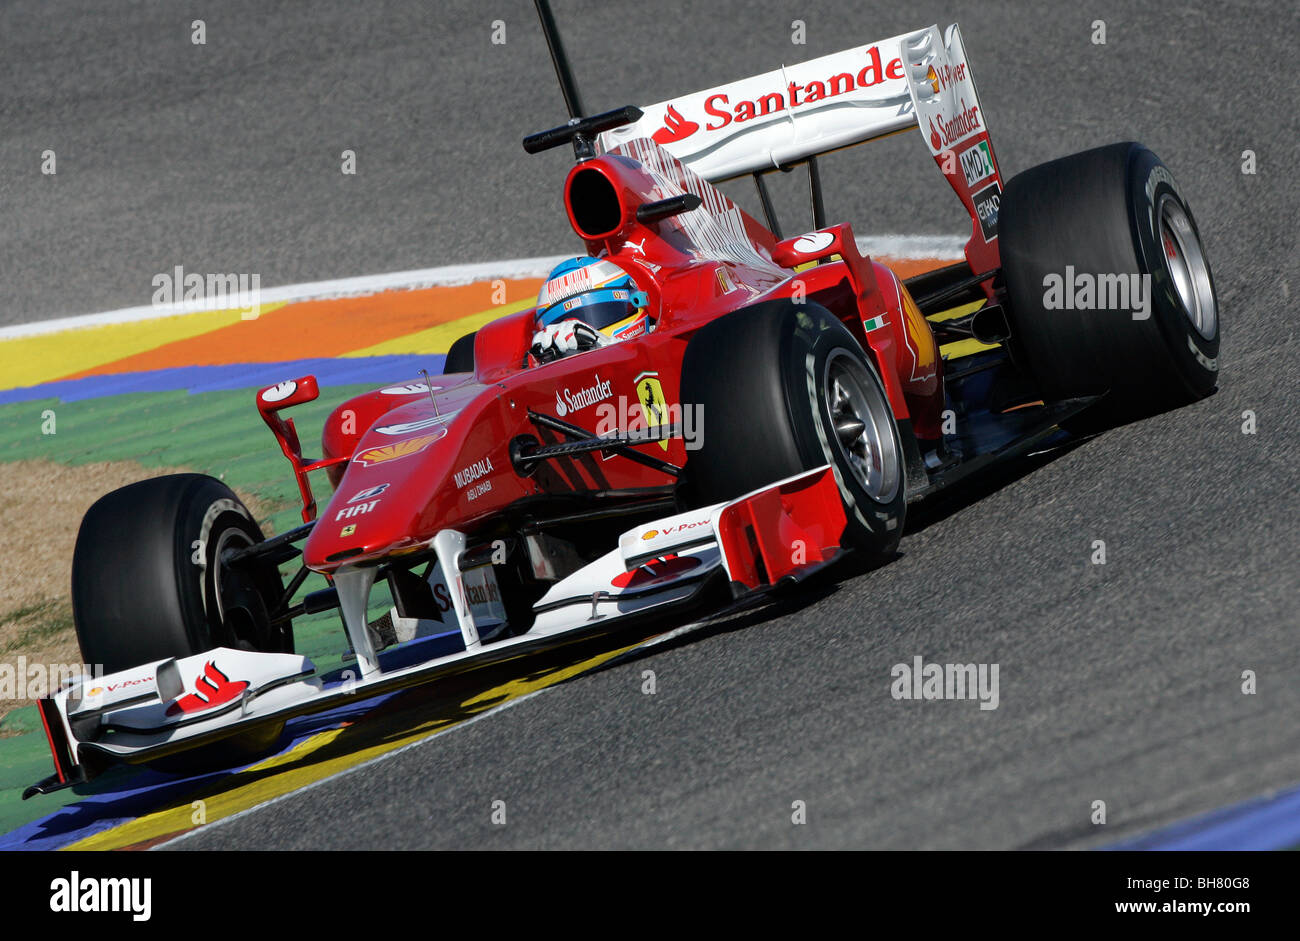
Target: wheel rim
(1186,263)
(229,539)
(862,426)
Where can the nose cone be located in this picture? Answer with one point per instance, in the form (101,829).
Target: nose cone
(374,512)
(397,470)
(427,465)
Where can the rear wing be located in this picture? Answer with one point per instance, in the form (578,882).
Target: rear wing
(790,115)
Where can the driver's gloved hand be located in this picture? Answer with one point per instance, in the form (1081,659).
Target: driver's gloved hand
(565,337)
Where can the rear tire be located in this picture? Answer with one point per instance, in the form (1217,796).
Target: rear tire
(786,388)
(460,358)
(147,579)
(1113,211)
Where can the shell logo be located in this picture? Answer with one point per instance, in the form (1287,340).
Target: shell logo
(920,339)
(391,452)
(650,534)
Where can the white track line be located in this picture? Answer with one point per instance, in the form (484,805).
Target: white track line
(890,246)
(341,287)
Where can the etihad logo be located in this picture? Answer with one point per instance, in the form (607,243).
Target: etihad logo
(391,452)
(567,401)
(988,204)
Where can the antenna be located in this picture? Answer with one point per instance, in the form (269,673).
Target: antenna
(580,131)
(568,87)
(428,387)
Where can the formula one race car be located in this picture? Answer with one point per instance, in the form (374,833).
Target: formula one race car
(780,404)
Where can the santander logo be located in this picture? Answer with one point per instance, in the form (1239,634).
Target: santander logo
(953,131)
(211,689)
(675,128)
(869,70)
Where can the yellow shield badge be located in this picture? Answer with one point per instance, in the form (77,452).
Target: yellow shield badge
(654,408)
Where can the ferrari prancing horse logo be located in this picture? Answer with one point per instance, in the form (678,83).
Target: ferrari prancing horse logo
(654,407)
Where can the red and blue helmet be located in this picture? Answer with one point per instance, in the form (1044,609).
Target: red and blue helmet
(599,293)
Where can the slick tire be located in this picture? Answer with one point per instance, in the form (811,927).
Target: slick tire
(1109,288)
(148,582)
(785,388)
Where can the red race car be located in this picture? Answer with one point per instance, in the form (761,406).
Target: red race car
(698,408)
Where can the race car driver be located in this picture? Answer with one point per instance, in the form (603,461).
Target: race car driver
(587,303)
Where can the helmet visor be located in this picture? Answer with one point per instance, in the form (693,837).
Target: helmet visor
(603,314)
(598,314)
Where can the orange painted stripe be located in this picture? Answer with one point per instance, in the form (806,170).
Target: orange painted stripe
(911,267)
(342,326)
(320,328)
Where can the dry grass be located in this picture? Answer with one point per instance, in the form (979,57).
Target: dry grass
(40,511)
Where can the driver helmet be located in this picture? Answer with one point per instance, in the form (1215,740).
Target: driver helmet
(599,293)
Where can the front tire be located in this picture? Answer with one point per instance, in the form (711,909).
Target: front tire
(783,389)
(1089,220)
(148,581)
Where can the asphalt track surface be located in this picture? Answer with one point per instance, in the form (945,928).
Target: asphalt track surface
(1119,682)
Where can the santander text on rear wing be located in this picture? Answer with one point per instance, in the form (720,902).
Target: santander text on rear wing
(798,111)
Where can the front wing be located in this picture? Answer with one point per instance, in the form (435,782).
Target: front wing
(781,532)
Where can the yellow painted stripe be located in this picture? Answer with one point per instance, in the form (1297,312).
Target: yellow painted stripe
(959,348)
(288,772)
(956,312)
(29,361)
(438,339)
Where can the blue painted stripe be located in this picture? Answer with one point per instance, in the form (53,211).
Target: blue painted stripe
(341,371)
(1262,823)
